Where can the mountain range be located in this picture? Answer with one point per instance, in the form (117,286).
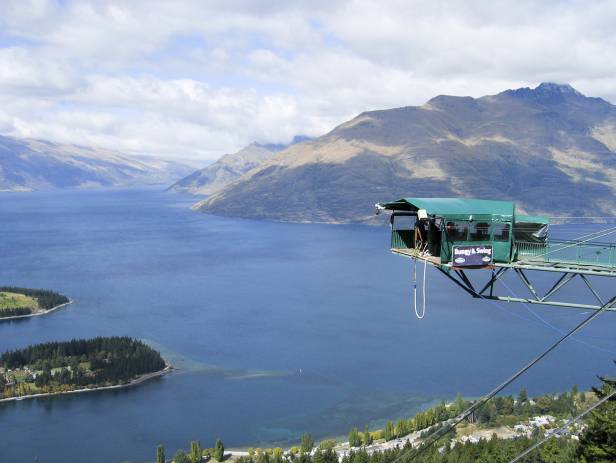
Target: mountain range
(550,148)
(28,164)
(229,168)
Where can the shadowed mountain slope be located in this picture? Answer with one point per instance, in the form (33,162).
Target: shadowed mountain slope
(550,149)
(229,168)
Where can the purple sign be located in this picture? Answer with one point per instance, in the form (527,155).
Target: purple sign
(472,256)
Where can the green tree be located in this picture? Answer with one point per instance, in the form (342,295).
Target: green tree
(219,450)
(401,428)
(160,454)
(574,391)
(389,433)
(458,404)
(523,396)
(505,406)
(327,444)
(263,457)
(181,457)
(354,439)
(543,403)
(196,452)
(367,436)
(278,455)
(330,456)
(487,413)
(307,443)
(598,441)
(557,451)
(522,405)
(318,457)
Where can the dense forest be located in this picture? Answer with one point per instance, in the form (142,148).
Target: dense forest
(15,312)
(61,366)
(45,299)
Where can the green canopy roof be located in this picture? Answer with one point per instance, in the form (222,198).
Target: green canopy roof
(531,219)
(447,207)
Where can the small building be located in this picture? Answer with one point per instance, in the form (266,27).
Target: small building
(472,439)
(542,421)
(522,428)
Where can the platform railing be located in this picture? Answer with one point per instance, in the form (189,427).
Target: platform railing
(402,239)
(571,252)
(528,249)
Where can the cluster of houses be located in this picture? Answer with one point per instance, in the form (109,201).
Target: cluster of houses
(541,423)
(7,376)
(537,422)
(544,423)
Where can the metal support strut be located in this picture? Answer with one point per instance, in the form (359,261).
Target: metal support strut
(459,277)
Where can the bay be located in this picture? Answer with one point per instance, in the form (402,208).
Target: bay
(276,329)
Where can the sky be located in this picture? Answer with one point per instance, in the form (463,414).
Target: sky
(197,79)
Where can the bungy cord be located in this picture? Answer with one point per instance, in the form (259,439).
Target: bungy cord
(423,292)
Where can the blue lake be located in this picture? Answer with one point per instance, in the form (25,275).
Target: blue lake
(276,329)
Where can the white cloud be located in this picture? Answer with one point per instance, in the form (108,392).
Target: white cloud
(199,79)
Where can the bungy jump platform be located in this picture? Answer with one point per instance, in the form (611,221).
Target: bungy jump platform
(458,235)
(486,237)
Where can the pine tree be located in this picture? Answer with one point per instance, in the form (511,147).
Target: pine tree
(598,441)
(160,454)
(523,396)
(557,451)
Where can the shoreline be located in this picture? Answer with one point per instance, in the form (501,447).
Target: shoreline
(37,314)
(134,382)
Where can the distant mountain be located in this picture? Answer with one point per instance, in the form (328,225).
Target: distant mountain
(229,168)
(551,149)
(27,164)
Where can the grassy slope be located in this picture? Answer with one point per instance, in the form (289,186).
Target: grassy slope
(15,301)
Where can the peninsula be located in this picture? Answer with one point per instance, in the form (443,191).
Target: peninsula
(78,365)
(25,302)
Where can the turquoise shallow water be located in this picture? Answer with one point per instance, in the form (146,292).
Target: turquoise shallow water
(277,329)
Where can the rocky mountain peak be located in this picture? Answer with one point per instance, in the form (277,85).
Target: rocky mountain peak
(551,88)
(545,93)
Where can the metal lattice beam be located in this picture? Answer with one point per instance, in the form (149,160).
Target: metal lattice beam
(461,279)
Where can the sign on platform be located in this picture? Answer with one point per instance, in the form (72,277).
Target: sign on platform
(472,256)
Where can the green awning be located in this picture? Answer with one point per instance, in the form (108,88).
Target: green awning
(455,207)
(531,219)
